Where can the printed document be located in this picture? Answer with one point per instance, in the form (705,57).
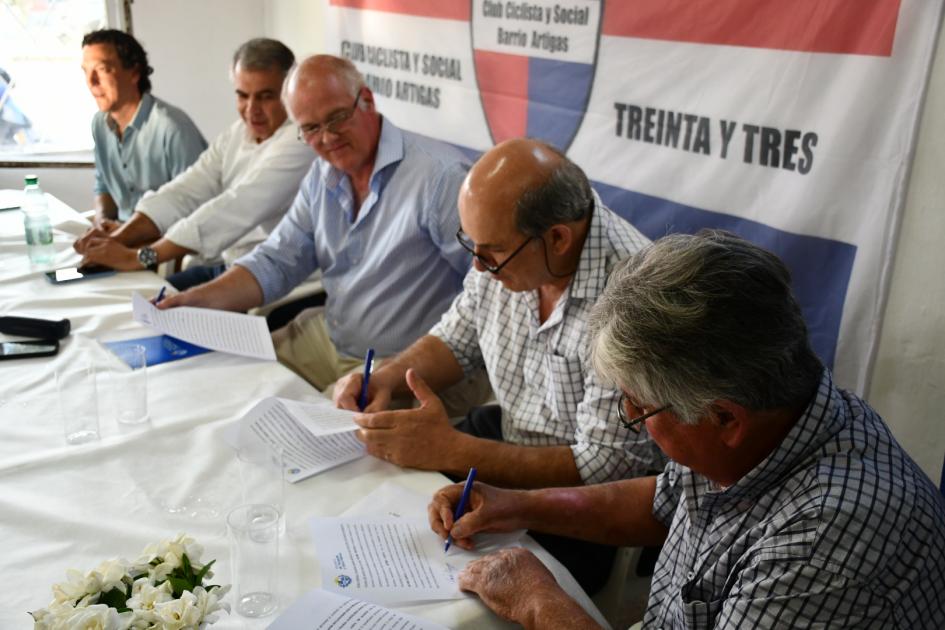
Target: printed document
(322,610)
(223,331)
(313,436)
(386,560)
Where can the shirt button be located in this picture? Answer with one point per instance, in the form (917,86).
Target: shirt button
(691,575)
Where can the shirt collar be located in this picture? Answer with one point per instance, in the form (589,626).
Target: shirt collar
(591,275)
(248,135)
(821,420)
(390,150)
(145,105)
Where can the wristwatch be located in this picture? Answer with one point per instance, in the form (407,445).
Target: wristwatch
(147,257)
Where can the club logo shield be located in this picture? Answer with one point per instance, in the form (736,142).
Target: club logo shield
(535,62)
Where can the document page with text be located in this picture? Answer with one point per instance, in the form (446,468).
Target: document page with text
(305,450)
(321,610)
(223,331)
(386,560)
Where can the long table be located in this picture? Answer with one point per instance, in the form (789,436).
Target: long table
(66,506)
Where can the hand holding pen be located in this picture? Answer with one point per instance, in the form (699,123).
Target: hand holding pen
(461,506)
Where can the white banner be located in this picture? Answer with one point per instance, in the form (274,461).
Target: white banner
(790,123)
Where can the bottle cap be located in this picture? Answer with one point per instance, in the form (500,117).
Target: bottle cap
(31,180)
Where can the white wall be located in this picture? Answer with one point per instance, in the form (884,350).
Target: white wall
(908,386)
(298,24)
(190,46)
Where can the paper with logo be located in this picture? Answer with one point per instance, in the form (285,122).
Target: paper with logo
(386,560)
(159,348)
(234,333)
(313,436)
(321,609)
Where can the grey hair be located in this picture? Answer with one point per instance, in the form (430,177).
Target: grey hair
(564,197)
(697,318)
(263,53)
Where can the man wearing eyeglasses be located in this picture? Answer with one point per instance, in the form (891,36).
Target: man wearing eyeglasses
(232,196)
(376,213)
(542,244)
(787,503)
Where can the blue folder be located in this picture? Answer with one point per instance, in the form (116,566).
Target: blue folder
(159,349)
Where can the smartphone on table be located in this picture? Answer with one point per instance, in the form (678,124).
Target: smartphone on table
(71,274)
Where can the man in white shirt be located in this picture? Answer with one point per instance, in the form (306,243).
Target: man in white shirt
(235,193)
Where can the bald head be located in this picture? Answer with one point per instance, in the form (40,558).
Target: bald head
(317,70)
(532,179)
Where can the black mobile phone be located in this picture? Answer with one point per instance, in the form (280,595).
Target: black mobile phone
(26,349)
(71,274)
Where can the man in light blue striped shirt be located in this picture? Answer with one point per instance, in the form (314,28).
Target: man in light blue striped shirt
(141,142)
(376,213)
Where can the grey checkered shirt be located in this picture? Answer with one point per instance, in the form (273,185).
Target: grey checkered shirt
(541,372)
(836,528)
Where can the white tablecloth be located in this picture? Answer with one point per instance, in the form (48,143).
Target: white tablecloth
(73,506)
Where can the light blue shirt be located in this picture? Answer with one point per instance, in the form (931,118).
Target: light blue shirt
(159,144)
(392,271)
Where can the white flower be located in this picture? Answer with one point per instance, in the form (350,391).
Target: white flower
(76,601)
(111,574)
(145,595)
(209,601)
(76,587)
(180,613)
(171,554)
(95,617)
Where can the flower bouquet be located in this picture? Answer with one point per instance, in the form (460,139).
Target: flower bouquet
(163,589)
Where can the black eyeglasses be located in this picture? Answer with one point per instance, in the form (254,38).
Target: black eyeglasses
(333,125)
(470,247)
(634,423)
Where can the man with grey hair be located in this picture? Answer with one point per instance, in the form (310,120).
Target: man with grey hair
(542,244)
(232,197)
(787,501)
(376,213)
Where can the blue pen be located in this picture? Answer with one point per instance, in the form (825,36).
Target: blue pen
(461,506)
(160,295)
(368,366)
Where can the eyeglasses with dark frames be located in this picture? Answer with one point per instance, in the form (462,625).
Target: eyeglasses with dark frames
(333,125)
(470,247)
(634,423)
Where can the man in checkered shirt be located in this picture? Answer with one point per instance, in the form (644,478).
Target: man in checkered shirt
(788,503)
(543,246)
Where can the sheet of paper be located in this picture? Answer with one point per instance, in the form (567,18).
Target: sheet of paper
(392,499)
(386,560)
(320,417)
(235,333)
(304,453)
(319,609)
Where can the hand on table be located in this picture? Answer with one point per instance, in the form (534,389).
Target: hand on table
(108,252)
(348,390)
(513,583)
(417,438)
(94,233)
(489,509)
